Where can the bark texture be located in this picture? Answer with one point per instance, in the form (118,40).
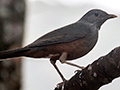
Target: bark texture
(95,75)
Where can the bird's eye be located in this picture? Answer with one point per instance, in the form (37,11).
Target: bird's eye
(96,14)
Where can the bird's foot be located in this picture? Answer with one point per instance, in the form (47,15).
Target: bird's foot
(76,71)
(61,84)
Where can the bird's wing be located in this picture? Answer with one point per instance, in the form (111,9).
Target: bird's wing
(62,35)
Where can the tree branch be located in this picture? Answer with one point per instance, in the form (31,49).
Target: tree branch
(95,75)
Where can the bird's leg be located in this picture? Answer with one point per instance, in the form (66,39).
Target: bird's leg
(55,66)
(63,58)
(81,67)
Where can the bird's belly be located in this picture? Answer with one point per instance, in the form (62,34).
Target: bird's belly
(74,49)
(80,48)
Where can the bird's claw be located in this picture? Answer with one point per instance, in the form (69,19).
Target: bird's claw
(61,84)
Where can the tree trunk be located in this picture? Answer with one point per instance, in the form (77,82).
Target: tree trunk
(11,34)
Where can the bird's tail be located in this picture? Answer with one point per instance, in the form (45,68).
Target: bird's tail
(13,53)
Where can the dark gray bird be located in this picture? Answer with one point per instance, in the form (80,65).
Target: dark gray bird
(66,43)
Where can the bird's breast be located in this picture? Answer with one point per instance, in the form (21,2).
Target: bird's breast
(81,47)
(74,49)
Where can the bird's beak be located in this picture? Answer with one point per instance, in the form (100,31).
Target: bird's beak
(111,16)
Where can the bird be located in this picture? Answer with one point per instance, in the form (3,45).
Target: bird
(66,43)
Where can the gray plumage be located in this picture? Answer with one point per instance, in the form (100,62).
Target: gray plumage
(89,23)
(86,28)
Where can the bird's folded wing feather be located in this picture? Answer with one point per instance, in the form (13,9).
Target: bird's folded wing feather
(62,35)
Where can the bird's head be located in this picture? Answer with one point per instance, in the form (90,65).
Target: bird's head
(96,17)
